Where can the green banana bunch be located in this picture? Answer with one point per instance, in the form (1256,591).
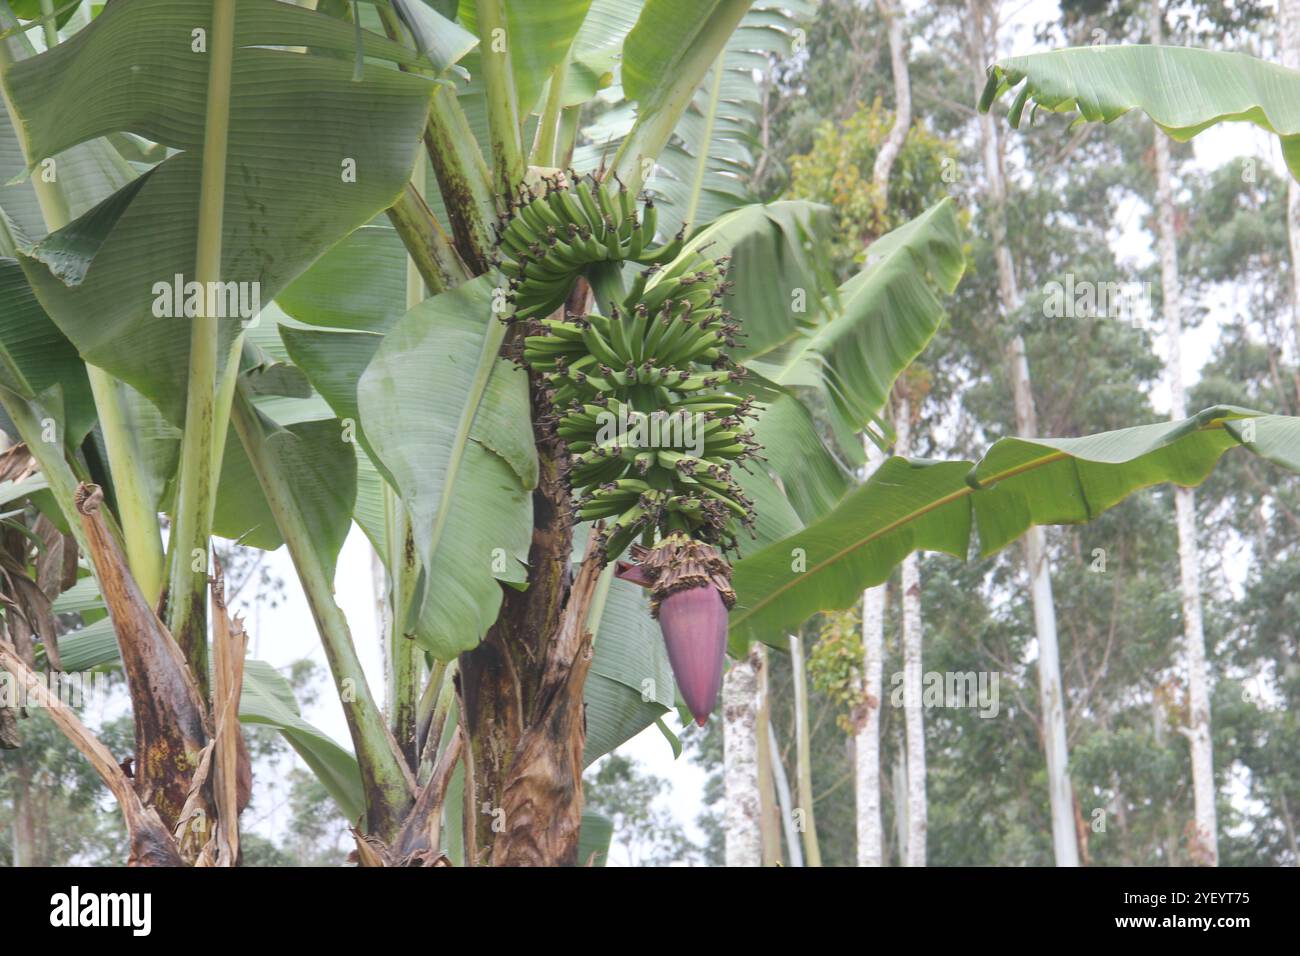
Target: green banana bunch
(547,239)
(641,390)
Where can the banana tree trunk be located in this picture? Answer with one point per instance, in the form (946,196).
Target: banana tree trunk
(521,698)
(1206,849)
(1051,695)
(744,839)
(520,691)
(403,660)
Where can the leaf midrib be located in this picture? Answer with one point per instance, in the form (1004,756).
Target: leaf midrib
(493,336)
(986,483)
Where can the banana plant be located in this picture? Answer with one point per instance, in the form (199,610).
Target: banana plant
(472,308)
(1182,89)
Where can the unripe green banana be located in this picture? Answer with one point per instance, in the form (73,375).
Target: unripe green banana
(654,366)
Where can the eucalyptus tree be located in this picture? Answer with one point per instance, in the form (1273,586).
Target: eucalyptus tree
(1198,730)
(985,18)
(1204,88)
(867,739)
(1238,224)
(1289,42)
(180,153)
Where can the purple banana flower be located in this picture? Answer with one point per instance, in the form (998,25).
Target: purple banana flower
(690,595)
(694,625)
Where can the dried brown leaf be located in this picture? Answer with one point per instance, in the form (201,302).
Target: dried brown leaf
(17,463)
(151,844)
(229,642)
(370,850)
(170,729)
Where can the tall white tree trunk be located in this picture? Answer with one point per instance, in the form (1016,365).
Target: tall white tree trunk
(913,676)
(1051,697)
(769,811)
(899,782)
(24,831)
(1206,849)
(743,838)
(803,754)
(866,742)
(893,143)
(784,800)
(1289,42)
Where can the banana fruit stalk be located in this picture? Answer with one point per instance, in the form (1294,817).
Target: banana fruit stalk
(645,400)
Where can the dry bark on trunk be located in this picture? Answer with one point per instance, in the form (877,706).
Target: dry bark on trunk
(542,800)
(151,842)
(509,711)
(192,776)
(165,701)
